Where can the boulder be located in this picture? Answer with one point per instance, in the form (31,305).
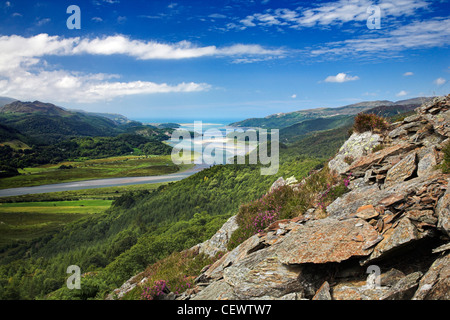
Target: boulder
(280,182)
(405,288)
(427,162)
(363,163)
(323,293)
(443,212)
(326,240)
(218,290)
(402,170)
(262,274)
(219,241)
(367,212)
(404,233)
(435,284)
(355,147)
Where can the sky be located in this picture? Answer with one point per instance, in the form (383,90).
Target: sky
(229,60)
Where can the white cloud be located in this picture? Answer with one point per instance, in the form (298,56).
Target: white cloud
(418,34)
(24,73)
(64,86)
(408,74)
(331,13)
(97,19)
(402,93)
(146,50)
(294,96)
(217,16)
(42,22)
(341,77)
(440,81)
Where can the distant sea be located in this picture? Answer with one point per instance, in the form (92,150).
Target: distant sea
(188,124)
(240,148)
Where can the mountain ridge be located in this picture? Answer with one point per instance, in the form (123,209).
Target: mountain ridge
(282,120)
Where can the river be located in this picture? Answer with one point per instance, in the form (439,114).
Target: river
(101,183)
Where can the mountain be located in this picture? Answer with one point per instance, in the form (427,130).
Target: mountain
(298,131)
(36,107)
(6,100)
(118,118)
(282,120)
(48,123)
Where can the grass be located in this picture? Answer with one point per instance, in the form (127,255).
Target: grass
(107,193)
(114,167)
(25,221)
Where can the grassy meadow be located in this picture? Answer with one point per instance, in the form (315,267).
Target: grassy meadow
(27,217)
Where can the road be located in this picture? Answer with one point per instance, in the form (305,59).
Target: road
(101,183)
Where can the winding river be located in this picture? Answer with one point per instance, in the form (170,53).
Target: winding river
(101,183)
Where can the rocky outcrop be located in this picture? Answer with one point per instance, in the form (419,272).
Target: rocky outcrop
(355,147)
(219,241)
(395,219)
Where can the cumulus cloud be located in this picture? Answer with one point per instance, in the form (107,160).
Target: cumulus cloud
(64,86)
(24,73)
(402,93)
(440,81)
(408,74)
(341,77)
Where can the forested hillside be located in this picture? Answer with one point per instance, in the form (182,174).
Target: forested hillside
(47,123)
(139,229)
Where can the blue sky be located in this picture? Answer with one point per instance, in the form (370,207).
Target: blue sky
(203,60)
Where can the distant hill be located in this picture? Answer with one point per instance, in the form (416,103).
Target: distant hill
(283,120)
(6,100)
(48,123)
(35,107)
(118,118)
(12,137)
(299,130)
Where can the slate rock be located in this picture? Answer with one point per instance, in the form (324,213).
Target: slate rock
(326,240)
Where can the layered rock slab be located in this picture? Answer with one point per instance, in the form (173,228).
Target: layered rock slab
(327,240)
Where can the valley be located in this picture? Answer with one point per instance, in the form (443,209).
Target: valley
(114,215)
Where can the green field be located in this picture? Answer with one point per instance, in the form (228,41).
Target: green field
(24,221)
(27,217)
(113,167)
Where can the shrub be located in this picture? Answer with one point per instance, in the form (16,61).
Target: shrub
(348,160)
(318,190)
(378,147)
(175,273)
(369,122)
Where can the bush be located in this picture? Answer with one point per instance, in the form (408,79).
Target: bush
(318,190)
(369,122)
(7,171)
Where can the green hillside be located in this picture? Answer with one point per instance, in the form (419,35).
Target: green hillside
(283,120)
(47,123)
